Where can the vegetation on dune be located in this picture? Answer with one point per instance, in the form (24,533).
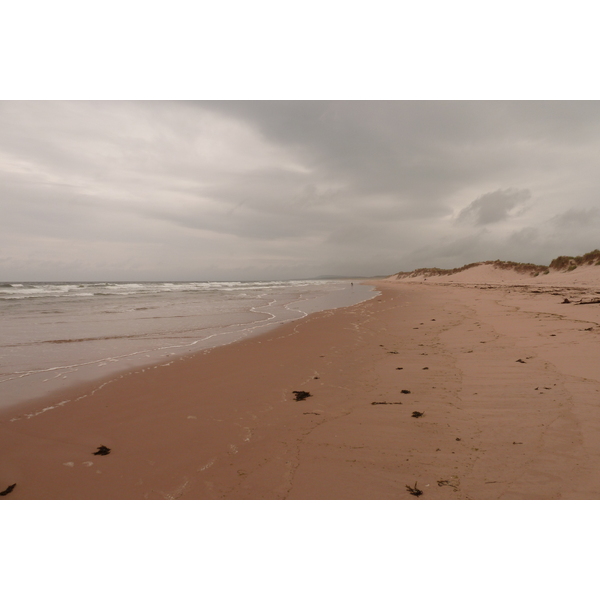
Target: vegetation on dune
(569,263)
(530,268)
(562,263)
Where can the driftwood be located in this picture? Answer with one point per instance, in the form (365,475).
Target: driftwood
(592,301)
(405,391)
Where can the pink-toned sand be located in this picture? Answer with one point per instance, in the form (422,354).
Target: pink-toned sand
(506,376)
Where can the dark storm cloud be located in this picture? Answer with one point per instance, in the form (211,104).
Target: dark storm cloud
(494,207)
(419,149)
(291,189)
(377,148)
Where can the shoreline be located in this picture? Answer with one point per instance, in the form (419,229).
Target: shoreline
(79,390)
(225,425)
(72,365)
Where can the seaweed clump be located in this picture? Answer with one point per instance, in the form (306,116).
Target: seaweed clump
(414,491)
(8,490)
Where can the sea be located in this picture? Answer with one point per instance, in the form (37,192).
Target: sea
(55,335)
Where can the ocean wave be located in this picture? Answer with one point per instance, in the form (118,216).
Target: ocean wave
(29,291)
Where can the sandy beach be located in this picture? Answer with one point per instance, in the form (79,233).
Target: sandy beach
(481,385)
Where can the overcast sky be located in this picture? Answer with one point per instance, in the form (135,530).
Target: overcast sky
(267,190)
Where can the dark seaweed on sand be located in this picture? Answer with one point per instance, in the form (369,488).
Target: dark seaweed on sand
(301,395)
(416,414)
(102,451)
(414,491)
(8,490)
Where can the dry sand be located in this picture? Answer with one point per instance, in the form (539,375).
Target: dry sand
(506,376)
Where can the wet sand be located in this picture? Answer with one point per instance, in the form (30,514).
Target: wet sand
(506,378)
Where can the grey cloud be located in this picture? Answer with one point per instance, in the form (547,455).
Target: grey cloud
(425,150)
(494,207)
(524,237)
(290,189)
(576,218)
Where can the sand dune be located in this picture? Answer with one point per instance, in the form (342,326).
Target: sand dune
(563,271)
